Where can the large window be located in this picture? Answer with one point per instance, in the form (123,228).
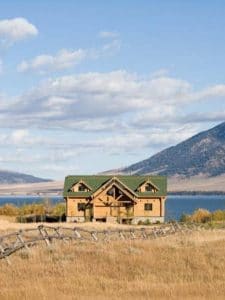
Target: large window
(148,206)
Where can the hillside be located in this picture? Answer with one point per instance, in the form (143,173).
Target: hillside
(8,177)
(201,155)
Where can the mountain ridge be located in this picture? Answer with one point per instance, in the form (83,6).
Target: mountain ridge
(11,177)
(200,155)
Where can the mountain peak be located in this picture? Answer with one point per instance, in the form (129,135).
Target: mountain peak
(202,154)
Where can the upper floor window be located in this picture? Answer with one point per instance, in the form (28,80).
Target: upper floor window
(149,188)
(148,206)
(82,188)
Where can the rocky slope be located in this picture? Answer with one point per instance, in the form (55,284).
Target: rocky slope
(200,155)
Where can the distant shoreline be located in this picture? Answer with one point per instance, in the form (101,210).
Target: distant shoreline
(197,193)
(180,193)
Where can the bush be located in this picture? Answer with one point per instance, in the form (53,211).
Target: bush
(32,209)
(218,215)
(185,218)
(59,209)
(9,210)
(200,216)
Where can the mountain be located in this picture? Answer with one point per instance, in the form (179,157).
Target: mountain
(8,177)
(200,155)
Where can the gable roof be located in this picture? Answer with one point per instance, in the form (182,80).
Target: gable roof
(83,183)
(130,181)
(148,182)
(114,180)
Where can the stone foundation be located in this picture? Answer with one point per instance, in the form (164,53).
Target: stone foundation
(135,220)
(152,220)
(75,219)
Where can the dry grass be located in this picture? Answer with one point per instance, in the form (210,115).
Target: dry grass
(8,223)
(176,267)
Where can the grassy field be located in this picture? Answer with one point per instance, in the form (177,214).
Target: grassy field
(175,267)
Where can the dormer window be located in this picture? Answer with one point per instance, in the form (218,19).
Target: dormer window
(147,186)
(80,186)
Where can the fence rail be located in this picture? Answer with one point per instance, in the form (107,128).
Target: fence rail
(26,238)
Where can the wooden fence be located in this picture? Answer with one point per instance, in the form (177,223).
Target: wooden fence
(26,238)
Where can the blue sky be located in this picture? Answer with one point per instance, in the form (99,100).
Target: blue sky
(87,86)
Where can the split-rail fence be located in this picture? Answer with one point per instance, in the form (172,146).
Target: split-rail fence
(26,238)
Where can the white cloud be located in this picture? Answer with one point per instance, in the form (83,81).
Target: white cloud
(212,91)
(160,73)
(13,30)
(110,48)
(18,136)
(62,60)
(65,58)
(108,34)
(114,101)
(1,66)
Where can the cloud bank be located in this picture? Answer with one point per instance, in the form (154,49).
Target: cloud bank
(17,29)
(110,101)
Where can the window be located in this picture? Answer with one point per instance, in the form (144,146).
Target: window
(80,206)
(81,188)
(111,192)
(148,188)
(148,206)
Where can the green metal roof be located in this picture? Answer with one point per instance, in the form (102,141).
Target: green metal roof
(131,181)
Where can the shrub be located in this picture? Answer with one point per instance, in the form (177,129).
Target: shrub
(201,216)
(140,222)
(9,210)
(59,209)
(34,208)
(185,218)
(218,215)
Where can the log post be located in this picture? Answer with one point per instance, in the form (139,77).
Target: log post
(143,232)
(77,233)
(4,255)
(19,237)
(94,236)
(44,234)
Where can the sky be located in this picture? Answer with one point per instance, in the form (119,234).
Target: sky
(88,86)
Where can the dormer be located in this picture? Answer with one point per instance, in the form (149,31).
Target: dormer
(147,186)
(80,186)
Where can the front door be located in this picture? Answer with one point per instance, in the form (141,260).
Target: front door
(88,212)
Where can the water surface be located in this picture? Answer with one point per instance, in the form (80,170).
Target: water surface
(175,205)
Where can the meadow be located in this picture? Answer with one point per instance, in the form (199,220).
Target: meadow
(183,266)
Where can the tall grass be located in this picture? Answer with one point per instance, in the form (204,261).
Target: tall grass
(177,267)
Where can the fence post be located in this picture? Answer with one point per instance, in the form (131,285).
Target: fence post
(94,236)
(144,235)
(77,233)
(155,232)
(132,234)
(4,255)
(121,235)
(44,234)
(19,237)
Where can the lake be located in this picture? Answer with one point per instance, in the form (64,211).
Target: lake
(175,205)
